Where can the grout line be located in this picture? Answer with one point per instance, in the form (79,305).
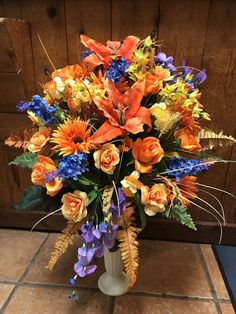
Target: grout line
(170,296)
(111,305)
(206,270)
(24,274)
(33,259)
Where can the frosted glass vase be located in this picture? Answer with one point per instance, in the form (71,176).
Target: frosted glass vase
(114,281)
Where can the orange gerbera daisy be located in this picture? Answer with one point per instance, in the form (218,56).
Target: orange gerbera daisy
(72,137)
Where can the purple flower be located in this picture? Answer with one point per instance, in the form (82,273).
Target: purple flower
(165,62)
(108,234)
(82,271)
(97,233)
(87,232)
(117,210)
(86,254)
(198,79)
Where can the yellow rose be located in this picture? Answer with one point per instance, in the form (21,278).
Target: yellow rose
(107,158)
(154,199)
(131,184)
(39,140)
(43,166)
(75,205)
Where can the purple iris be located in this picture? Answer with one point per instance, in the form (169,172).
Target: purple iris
(118,209)
(164,61)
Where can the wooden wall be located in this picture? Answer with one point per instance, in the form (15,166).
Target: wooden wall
(202,32)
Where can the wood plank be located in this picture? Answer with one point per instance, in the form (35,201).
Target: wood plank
(134,18)
(47,19)
(5,199)
(10,122)
(219,91)
(10,9)
(182,29)
(12,91)
(18,178)
(79,21)
(159,230)
(15,57)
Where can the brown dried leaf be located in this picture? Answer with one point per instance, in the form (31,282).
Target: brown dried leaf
(20,139)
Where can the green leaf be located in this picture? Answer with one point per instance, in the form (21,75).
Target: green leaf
(140,206)
(26,160)
(36,198)
(92,196)
(180,214)
(33,198)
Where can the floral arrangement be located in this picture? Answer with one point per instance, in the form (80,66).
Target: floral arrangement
(114,140)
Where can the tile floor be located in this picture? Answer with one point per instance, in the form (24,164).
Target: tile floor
(174,278)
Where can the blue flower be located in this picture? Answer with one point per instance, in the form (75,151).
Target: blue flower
(165,62)
(86,53)
(117,70)
(50,176)
(40,108)
(180,167)
(70,167)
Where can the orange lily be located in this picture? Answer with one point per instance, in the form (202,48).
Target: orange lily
(104,54)
(124,112)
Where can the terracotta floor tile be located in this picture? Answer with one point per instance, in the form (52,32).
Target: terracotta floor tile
(214,271)
(5,291)
(172,268)
(28,300)
(227,308)
(16,250)
(63,270)
(149,305)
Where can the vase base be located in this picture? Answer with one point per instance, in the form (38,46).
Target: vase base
(113,286)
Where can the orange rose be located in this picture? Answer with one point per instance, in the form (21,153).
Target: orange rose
(154,199)
(75,205)
(154,80)
(107,158)
(147,152)
(43,166)
(131,184)
(39,140)
(188,140)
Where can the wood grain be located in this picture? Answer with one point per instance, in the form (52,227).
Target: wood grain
(219,91)
(47,18)
(132,17)
(94,20)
